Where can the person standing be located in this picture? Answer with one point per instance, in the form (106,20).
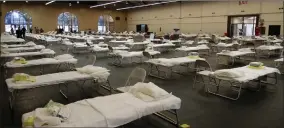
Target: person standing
(12,31)
(18,32)
(24,32)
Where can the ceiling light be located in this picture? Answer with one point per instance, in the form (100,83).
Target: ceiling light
(49,2)
(114,5)
(145,5)
(4,1)
(77,2)
(106,4)
(70,4)
(27,1)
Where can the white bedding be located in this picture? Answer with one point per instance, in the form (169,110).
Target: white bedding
(162,45)
(42,61)
(172,61)
(47,52)
(235,53)
(16,49)
(279,60)
(113,110)
(199,47)
(251,74)
(269,47)
(29,44)
(124,54)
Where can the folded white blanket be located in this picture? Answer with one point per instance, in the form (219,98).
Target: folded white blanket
(99,73)
(148,92)
(228,73)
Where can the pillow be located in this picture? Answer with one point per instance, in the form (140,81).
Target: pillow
(228,73)
(89,69)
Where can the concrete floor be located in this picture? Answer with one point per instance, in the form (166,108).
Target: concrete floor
(262,109)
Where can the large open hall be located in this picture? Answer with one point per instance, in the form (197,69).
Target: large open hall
(141,63)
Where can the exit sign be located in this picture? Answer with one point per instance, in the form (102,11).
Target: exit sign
(243,2)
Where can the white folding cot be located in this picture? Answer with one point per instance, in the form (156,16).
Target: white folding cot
(249,74)
(200,48)
(29,44)
(99,75)
(45,52)
(120,57)
(268,50)
(10,67)
(166,65)
(162,47)
(229,57)
(24,49)
(113,110)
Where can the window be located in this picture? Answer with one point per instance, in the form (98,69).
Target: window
(105,23)
(68,22)
(15,19)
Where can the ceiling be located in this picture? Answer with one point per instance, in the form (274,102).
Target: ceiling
(75,3)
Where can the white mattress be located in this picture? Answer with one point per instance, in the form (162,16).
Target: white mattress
(51,52)
(171,61)
(42,61)
(269,47)
(251,74)
(113,110)
(279,60)
(163,45)
(235,53)
(134,53)
(48,79)
(15,49)
(183,48)
(18,45)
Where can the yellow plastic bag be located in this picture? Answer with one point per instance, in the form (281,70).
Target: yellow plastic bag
(20,60)
(252,67)
(29,122)
(23,77)
(193,57)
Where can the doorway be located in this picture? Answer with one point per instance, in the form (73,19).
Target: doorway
(243,25)
(274,30)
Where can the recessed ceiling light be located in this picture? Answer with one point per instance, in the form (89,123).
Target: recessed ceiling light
(78,2)
(4,1)
(70,4)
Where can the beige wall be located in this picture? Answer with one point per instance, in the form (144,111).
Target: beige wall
(210,17)
(46,16)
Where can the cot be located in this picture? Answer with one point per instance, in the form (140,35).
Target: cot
(45,52)
(248,74)
(168,64)
(200,48)
(98,74)
(10,67)
(120,57)
(268,50)
(23,49)
(229,57)
(29,44)
(113,110)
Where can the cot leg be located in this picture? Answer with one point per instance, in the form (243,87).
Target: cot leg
(194,81)
(177,119)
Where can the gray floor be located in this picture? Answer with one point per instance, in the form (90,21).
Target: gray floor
(262,109)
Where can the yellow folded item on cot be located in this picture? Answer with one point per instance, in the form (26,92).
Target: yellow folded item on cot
(252,67)
(29,122)
(23,77)
(19,60)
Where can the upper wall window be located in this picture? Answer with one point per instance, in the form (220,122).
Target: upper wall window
(105,23)
(68,22)
(15,19)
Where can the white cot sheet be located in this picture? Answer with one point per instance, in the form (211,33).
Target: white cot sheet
(48,79)
(269,47)
(252,74)
(199,47)
(22,54)
(125,54)
(29,44)
(235,53)
(43,61)
(15,49)
(172,61)
(113,110)
(162,45)
(279,60)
